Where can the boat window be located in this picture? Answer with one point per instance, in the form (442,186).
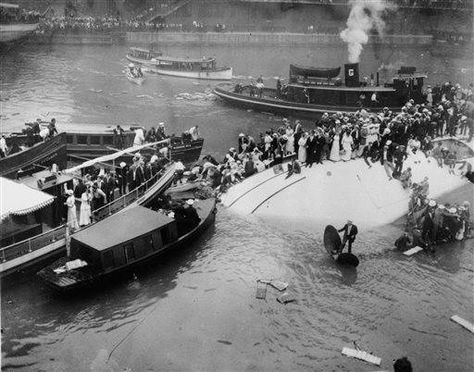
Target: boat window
(108,140)
(82,140)
(165,236)
(129,252)
(95,140)
(109,259)
(70,139)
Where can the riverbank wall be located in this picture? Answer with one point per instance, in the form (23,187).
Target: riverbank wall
(259,38)
(216,38)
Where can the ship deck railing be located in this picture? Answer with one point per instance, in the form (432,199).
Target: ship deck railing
(37,242)
(125,200)
(24,247)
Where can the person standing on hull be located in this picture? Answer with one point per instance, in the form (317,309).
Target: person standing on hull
(350,232)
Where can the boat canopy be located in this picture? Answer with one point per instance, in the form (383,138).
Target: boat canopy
(314,72)
(18,199)
(146,51)
(189,60)
(121,227)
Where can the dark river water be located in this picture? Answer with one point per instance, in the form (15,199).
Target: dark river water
(196,310)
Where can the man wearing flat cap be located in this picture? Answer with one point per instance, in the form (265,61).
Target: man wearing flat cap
(350,232)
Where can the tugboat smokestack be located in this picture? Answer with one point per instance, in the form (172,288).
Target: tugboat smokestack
(351,71)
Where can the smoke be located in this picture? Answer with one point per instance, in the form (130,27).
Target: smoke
(365,15)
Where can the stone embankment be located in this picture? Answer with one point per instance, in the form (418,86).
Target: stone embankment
(217,38)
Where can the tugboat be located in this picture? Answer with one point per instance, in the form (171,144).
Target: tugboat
(312,91)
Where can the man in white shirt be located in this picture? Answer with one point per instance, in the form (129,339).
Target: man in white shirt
(3,147)
(194,131)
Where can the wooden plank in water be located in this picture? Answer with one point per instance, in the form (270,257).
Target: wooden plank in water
(281,286)
(362,355)
(462,322)
(412,251)
(261,290)
(286,297)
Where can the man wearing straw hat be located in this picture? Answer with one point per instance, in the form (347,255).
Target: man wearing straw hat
(350,232)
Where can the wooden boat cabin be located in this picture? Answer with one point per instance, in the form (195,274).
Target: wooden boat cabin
(123,239)
(140,54)
(93,141)
(186,64)
(321,86)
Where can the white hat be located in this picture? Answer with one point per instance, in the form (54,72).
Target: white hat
(131,65)
(186,173)
(441,206)
(161,124)
(122,164)
(190,201)
(388,142)
(452,210)
(69,192)
(241,135)
(432,203)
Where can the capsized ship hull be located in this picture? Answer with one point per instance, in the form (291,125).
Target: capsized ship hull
(334,192)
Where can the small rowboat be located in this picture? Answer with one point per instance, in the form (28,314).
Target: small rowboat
(135,80)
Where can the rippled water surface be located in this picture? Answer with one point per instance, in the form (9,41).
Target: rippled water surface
(196,309)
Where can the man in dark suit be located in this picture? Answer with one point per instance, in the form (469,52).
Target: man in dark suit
(350,232)
(310,149)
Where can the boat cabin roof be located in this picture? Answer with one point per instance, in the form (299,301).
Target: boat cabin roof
(86,129)
(189,60)
(7,5)
(143,50)
(415,75)
(344,88)
(56,179)
(121,227)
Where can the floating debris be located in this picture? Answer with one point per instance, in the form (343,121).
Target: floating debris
(362,355)
(96,90)
(457,319)
(225,342)
(286,297)
(144,96)
(412,251)
(261,290)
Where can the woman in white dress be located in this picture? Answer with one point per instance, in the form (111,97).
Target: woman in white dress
(71,210)
(290,145)
(334,155)
(347,142)
(302,148)
(85,211)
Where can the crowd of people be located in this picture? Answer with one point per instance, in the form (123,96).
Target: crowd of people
(35,132)
(432,222)
(385,137)
(98,186)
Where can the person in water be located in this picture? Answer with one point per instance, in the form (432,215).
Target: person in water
(402,365)
(404,242)
(350,232)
